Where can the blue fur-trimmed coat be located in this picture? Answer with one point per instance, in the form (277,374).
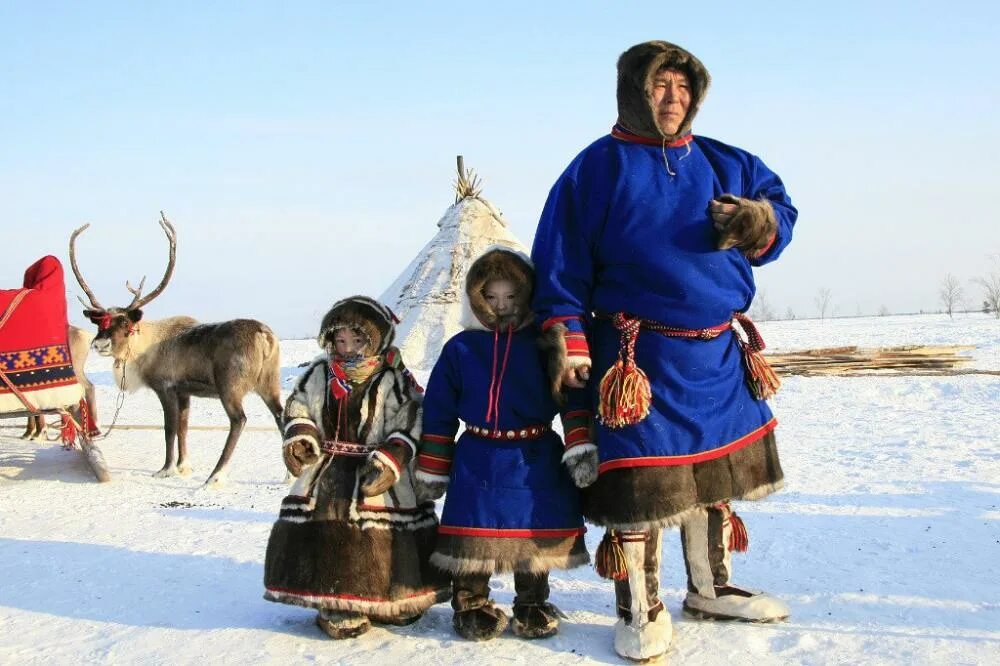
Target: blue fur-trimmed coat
(517,488)
(619,233)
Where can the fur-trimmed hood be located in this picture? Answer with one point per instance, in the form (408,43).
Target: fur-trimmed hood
(361,313)
(497,263)
(636,69)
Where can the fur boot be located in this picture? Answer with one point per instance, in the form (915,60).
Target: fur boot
(644,630)
(476,618)
(534,616)
(706,538)
(342,624)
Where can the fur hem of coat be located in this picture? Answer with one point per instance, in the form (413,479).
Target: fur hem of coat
(484,555)
(643,497)
(375,609)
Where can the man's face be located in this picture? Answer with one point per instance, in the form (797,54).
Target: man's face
(671,97)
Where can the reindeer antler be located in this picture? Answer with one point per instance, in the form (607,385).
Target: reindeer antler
(76,271)
(140,300)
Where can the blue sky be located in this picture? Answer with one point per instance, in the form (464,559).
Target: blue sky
(305,151)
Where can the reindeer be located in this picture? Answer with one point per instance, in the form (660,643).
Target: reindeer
(178,358)
(79,345)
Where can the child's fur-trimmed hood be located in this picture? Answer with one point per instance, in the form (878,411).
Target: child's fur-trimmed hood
(497,263)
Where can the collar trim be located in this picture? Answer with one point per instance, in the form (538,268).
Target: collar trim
(623,134)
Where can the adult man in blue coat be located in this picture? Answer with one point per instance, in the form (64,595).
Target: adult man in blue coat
(644,257)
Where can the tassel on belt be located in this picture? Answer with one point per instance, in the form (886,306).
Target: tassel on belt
(509,435)
(625,395)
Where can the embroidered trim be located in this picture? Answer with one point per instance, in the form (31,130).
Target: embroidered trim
(669,461)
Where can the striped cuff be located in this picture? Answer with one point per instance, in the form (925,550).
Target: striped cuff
(302,430)
(575,338)
(434,459)
(576,428)
(396,453)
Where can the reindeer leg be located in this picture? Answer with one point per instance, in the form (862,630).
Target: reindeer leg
(171,410)
(184,409)
(237,419)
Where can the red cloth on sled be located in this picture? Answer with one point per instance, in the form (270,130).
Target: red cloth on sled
(34,349)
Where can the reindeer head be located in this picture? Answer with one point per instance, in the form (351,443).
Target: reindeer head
(115,325)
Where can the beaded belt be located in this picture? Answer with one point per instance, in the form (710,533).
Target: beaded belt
(529,432)
(345,448)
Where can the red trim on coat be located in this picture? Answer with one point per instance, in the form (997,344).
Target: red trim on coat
(670,461)
(552,321)
(621,135)
(576,344)
(440,439)
(513,534)
(763,251)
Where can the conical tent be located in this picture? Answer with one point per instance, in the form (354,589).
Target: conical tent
(427,295)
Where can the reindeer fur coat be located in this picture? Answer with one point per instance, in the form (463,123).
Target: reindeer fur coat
(331,547)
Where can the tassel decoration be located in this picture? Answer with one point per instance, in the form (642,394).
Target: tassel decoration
(67,431)
(625,395)
(739,540)
(609,560)
(761,377)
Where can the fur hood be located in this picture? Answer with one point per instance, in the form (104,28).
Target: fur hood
(363,314)
(497,263)
(636,69)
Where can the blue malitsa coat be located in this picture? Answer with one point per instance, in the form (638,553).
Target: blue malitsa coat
(510,503)
(627,229)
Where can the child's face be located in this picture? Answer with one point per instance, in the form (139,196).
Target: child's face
(348,343)
(500,294)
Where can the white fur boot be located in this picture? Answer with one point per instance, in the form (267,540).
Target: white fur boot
(643,631)
(707,541)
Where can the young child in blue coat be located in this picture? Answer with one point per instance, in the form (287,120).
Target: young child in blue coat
(512,503)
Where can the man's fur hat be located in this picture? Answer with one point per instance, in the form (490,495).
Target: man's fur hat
(360,313)
(636,69)
(498,263)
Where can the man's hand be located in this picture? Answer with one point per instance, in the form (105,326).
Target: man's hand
(576,377)
(742,223)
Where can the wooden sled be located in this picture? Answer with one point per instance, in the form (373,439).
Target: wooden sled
(36,371)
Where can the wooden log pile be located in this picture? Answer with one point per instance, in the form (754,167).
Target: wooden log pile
(919,360)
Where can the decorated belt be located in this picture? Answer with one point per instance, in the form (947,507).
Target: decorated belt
(529,432)
(345,448)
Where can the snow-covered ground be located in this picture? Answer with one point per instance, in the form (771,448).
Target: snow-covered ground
(884,542)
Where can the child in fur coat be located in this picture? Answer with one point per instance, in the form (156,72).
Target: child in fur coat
(352,540)
(512,505)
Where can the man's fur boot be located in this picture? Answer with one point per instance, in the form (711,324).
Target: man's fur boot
(707,539)
(643,631)
(534,616)
(342,624)
(476,618)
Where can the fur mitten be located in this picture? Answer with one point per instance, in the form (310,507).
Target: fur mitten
(376,478)
(427,491)
(298,454)
(745,224)
(581,461)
